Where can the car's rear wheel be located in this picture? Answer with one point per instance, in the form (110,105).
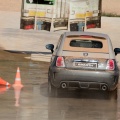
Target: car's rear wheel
(52,91)
(112,94)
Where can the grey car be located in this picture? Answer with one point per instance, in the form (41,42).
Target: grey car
(83,60)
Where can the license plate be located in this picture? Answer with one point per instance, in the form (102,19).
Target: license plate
(85,64)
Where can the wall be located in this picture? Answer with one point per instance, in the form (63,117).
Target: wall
(10,5)
(111,6)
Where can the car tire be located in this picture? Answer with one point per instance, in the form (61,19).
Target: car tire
(52,91)
(112,94)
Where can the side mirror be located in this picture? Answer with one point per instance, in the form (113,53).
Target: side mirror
(117,51)
(50,47)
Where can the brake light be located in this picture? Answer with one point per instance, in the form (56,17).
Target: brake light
(60,62)
(110,65)
(86,36)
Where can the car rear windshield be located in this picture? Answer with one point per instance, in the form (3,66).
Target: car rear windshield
(86,43)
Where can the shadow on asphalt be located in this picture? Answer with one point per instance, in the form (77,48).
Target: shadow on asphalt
(78,93)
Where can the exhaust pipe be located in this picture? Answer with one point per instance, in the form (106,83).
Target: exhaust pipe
(63,85)
(104,87)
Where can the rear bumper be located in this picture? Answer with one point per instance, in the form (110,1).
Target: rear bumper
(83,78)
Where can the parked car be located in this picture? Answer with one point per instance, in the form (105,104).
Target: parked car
(83,60)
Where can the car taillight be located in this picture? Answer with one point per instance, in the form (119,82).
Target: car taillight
(110,65)
(60,62)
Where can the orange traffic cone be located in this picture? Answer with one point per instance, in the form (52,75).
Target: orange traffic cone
(17,90)
(4,83)
(18,79)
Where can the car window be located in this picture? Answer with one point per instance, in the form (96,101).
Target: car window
(88,44)
(44,2)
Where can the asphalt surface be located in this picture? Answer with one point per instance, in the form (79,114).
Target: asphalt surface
(33,102)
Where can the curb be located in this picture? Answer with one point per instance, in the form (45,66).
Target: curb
(41,57)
